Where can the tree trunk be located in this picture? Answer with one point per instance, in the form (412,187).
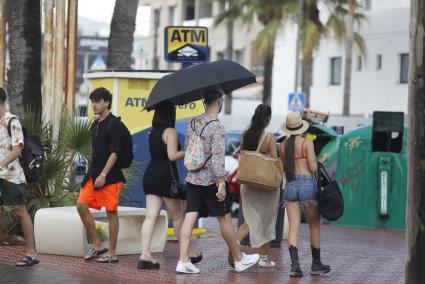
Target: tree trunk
(268,75)
(229,55)
(348,57)
(415,215)
(307,77)
(24,77)
(2,43)
(48,48)
(123,25)
(71,55)
(59,66)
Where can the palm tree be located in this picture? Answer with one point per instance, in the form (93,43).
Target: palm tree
(348,57)
(24,75)
(415,221)
(123,25)
(313,30)
(270,14)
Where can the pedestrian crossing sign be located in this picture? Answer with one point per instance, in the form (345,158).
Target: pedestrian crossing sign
(296,102)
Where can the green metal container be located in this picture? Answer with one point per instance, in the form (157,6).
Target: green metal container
(372,176)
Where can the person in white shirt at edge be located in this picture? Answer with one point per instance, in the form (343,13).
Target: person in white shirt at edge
(206,189)
(12,177)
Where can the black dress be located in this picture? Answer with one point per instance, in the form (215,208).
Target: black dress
(157,178)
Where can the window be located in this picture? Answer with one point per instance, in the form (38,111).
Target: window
(240,56)
(190,10)
(358,63)
(172,15)
(404,68)
(367,4)
(379,62)
(220,55)
(156,18)
(336,71)
(221,6)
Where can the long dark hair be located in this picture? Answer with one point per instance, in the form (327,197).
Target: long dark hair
(165,115)
(259,121)
(289,158)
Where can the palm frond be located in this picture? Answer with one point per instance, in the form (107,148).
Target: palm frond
(360,43)
(267,36)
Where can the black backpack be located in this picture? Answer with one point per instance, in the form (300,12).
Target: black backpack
(125,153)
(32,155)
(331,202)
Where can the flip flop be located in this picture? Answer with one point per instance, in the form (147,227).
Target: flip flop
(108,259)
(27,261)
(95,253)
(144,264)
(196,259)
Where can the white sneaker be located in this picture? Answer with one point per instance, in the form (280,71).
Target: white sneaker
(246,262)
(266,263)
(186,267)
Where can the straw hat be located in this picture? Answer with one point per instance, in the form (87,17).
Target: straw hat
(295,125)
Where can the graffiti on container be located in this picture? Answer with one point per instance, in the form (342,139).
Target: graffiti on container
(353,143)
(352,175)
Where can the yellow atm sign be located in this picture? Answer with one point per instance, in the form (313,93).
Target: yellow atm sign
(186,44)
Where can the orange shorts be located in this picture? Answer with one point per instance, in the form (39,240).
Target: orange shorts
(107,196)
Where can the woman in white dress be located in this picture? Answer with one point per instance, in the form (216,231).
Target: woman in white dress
(259,206)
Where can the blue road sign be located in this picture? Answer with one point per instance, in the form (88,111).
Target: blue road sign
(296,102)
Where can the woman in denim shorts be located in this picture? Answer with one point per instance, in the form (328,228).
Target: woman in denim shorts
(300,163)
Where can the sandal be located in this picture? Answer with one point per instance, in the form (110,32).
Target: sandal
(196,259)
(108,259)
(144,264)
(95,253)
(27,261)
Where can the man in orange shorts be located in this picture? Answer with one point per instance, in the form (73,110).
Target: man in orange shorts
(104,179)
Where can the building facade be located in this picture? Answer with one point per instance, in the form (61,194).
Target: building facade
(379,79)
(199,13)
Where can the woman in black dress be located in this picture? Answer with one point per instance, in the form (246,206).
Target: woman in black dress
(157,180)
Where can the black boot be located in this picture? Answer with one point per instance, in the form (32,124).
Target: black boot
(295,266)
(317,267)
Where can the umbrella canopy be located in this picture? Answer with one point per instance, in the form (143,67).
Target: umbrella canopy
(189,84)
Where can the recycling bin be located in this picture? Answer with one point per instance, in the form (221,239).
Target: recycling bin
(371,170)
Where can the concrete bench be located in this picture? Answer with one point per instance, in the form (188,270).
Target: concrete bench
(60,231)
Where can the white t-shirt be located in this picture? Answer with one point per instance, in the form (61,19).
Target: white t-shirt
(12,172)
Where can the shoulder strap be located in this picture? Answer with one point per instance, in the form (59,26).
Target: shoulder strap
(9,126)
(262,140)
(192,124)
(169,162)
(203,128)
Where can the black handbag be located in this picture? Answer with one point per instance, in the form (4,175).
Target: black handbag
(331,202)
(177,189)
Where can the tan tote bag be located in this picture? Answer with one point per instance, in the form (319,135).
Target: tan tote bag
(260,170)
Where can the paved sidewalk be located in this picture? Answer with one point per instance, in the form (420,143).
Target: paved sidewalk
(355,255)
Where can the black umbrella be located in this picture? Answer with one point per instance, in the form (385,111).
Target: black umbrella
(189,84)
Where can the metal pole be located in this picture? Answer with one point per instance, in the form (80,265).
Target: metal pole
(297,51)
(2,43)
(59,66)
(71,55)
(46,94)
(197,7)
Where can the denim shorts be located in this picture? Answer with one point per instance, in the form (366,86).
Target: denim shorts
(302,188)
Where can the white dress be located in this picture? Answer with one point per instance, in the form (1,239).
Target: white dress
(260,209)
